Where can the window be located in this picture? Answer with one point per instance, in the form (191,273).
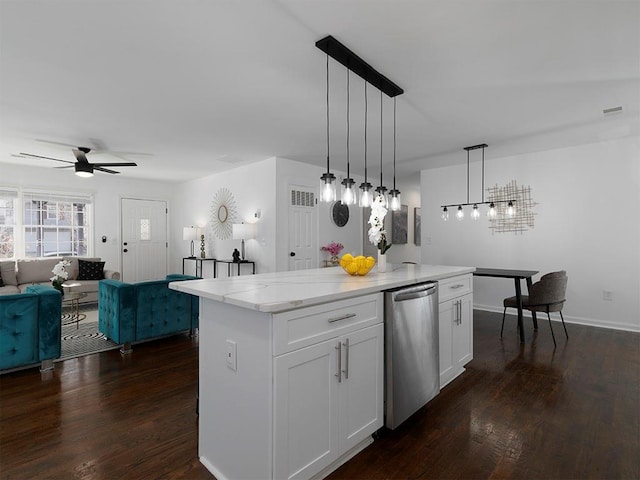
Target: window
(8,200)
(42,224)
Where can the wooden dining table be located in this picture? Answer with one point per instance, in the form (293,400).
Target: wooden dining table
(517,276)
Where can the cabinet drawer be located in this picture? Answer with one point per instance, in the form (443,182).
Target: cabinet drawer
(306,326)
(454,287)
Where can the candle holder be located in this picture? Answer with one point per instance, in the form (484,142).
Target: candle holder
(202,254)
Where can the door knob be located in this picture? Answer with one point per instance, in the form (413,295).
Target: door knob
(292,254)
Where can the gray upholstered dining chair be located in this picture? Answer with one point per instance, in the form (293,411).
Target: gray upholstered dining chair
(546,295)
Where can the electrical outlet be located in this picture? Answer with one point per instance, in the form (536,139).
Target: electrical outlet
(607,295)
(232,355)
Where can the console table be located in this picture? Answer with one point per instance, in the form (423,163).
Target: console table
(199,261)
(241,262)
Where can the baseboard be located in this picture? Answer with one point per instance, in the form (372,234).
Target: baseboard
(591,322)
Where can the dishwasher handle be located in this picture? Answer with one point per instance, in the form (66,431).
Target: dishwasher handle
(416,292)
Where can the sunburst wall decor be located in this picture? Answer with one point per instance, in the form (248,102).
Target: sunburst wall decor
(223,214)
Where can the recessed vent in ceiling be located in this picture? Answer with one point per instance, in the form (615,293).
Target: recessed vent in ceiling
(612,111)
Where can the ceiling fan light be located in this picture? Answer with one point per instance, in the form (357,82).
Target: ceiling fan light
(84,170)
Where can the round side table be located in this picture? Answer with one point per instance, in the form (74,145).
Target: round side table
(71,303)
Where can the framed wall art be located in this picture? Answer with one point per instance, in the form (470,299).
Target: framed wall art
(400,224)
(416,225)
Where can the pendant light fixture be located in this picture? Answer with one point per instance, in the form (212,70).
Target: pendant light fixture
(381,190)
(348,184)
(394,200)
(365,187)
(475,213)
(327,185)
(354,63)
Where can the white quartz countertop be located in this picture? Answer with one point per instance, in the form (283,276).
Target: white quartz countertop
(282,291)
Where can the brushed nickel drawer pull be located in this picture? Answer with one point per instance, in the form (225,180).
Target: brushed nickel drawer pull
(343,317)
(346,368)
(339,372)
(455,287)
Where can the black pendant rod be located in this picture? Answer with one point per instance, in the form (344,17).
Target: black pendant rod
(366,104)
(357,65)
(348,176)
(328,169)
(394,144)
(381,139)
(467,176)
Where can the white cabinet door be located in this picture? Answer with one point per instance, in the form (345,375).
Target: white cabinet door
(447,315)
(320,413)
(456,336)
(306,438)
(361,389)
(463,333)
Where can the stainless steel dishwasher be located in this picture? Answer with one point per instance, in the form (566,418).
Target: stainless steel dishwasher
(412,370)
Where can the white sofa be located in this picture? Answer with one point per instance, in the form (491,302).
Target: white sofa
(18,274)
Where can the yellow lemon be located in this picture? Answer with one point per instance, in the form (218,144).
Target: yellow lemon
(359,265)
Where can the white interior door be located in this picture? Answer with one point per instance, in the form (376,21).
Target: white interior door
(144,239)
(303,228)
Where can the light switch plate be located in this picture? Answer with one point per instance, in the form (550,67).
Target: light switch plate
(232,355)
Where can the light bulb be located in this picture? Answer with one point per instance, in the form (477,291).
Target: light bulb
(511,211)
(445,214)
(460,213)
(365,198)
(327,187)
(394,201)
(491,213)
(475,214)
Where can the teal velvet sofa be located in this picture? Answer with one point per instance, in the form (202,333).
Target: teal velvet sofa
(30,328)
(133,312)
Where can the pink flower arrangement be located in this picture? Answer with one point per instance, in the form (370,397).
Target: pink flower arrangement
(333,248)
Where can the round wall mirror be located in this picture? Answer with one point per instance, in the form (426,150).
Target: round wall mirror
(223,214)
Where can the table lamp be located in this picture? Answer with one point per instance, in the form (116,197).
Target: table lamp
(243,231)
(190,233)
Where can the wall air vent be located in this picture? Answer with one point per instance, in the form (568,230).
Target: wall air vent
(302,199)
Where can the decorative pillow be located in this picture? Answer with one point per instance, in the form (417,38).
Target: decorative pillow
(90,270)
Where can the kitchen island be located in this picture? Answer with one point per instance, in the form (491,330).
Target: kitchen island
(291,367)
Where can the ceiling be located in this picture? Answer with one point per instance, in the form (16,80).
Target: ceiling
(202,86)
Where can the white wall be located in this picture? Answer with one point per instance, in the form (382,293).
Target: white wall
(587,223)
(253,188)
(107,190)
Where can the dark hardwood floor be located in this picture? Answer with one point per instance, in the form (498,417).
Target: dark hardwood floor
(519,411)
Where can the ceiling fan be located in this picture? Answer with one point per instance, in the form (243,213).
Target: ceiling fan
(82,166)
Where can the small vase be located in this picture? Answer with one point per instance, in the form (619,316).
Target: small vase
(58,286)
(382,262)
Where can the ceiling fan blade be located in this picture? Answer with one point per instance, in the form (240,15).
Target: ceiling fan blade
(115,164)
(67,166)
(102,169)
(80,155)
(46,158)
(55,143)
